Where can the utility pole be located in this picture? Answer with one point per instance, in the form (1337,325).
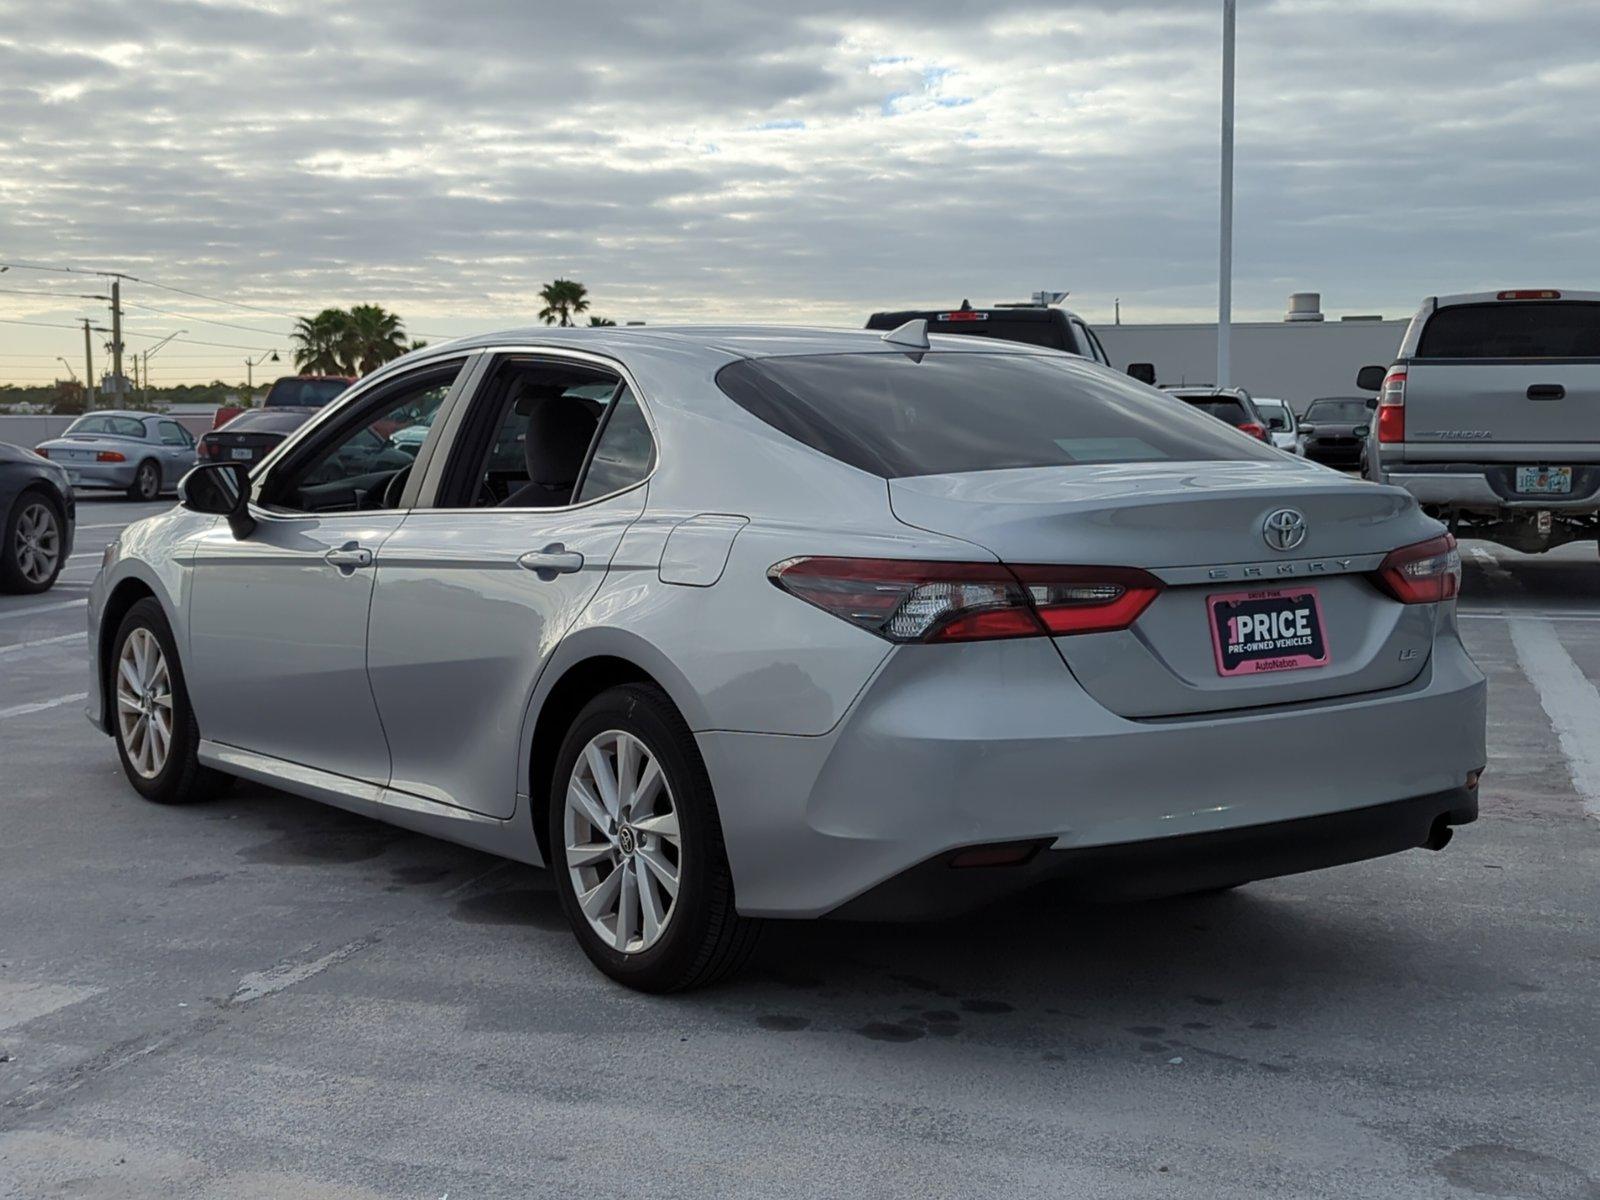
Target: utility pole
(116,334)
(88,364)
(1225,264)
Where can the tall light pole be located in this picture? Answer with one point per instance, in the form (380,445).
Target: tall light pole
(250,365)
(1225,264)
(88,364)
(71,374)
(116,335)
(143,391)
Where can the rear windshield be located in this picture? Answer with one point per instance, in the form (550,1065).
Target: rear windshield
(261,420)
(1513,329)
(1048,329)
(304,393)
(127,427)
(1224,407)
(1356,410)
(897,415)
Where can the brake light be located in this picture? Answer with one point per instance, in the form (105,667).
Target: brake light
(1253,429)
(963,315)
(205,449)
(110,456)
(1392,406)
(1533,294)
(41,452)
(1425,573)
(908,601)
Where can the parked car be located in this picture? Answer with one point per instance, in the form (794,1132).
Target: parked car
(1233,405)
(1334,429)
(1031,324)
(1282,425)
(1490,415)
(39,515)
(309,392)
(252,435)
(139,453)
(784,624)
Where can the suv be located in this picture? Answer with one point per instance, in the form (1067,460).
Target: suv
(1031,324)
(1230,404)
(1490,415)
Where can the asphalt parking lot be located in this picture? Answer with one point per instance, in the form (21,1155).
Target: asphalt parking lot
(262,997)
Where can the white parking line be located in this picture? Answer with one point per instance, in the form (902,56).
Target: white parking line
(1492,566)
(1569,700)
(42,608)
(22,710)
(49,641)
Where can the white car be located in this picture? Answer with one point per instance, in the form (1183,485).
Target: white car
(1282,427)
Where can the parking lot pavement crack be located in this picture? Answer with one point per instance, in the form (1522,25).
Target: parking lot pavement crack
(286,974)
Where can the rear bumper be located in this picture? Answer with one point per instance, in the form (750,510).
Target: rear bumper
(1339,455)
(1173,866)
(952,747)
(1466,486)
(101,475)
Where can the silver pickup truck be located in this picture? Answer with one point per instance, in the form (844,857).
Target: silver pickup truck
(1490,415)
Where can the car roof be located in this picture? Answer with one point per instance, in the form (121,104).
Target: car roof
(121,412)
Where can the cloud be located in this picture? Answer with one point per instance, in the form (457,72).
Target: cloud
(726,160)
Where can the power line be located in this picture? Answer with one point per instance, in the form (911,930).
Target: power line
(132,333)
(203,320)
(166,287)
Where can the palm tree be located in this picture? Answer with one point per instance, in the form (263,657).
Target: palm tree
(319,342)
(373,337)
(563,299)
(595,321)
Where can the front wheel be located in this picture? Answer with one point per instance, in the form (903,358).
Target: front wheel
(32,555)
(146,482)
(636,847)
(157,737)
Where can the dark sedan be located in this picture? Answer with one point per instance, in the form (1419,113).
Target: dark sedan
(37,507)
(1334,429)
(252,435)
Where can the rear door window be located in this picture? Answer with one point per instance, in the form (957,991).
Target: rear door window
(1513,329)
(898,415)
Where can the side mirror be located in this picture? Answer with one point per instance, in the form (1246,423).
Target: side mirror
(1143,372)
(223,490)
(1361,431)
(1370,379)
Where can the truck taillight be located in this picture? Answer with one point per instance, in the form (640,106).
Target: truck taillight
(1392,406)
(1424,573)
(907,601)
(1529,294)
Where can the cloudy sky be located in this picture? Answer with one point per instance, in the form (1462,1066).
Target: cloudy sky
(747,160)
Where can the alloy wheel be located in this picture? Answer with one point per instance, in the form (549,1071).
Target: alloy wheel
(38,543)
(624,853)
(144,703)
(148,482)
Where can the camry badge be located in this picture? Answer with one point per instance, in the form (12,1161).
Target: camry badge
(1284,529)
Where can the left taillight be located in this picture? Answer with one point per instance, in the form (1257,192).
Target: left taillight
(41,452)
(1254,429)
(913,601)
(1424,573)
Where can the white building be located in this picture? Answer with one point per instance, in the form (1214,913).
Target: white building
(1296,359)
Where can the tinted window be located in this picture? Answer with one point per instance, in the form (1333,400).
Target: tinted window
(173,434)
(1352,410)
(127,427)
(304,393)
(1033,327)
(625,452)
(263,420)
(1513,329)
(927,414)
(1225,408)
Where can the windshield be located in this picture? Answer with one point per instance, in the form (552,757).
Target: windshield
(1513,329)
(110,426)
(1352,410)
(1275,413)
(897,415)
(291,392)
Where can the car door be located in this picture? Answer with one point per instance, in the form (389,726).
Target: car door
(177,451)
(278,619)
(472,598)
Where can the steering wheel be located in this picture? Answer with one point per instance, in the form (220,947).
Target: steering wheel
(396,485)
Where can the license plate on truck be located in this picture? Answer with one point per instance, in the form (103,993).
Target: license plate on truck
(1276,629)
(1544,481)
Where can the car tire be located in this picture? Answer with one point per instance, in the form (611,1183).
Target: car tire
(34,550)
(146,483)
(656,830)
(163,768)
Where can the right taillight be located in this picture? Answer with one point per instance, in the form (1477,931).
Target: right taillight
(1424,573)
(1392,406)
(911,601)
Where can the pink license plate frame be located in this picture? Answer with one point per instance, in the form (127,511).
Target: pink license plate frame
(1292,660)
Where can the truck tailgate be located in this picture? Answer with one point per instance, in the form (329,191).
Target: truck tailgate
(1496,411)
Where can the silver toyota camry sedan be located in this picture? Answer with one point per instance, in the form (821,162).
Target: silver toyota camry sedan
(730,624)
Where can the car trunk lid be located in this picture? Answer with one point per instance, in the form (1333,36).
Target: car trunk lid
(1200,528)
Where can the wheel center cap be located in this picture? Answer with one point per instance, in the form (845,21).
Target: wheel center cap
(626,840)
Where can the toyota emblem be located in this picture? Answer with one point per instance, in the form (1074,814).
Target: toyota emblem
(1284,529)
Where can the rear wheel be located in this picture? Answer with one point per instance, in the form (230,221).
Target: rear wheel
(35,538)
(146,483)
(636,847)
(155,730)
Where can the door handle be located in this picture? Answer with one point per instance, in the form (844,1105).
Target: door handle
(348,557)
(555,559)
(1547,391)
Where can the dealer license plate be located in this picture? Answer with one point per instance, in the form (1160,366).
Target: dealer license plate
(1276,629)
